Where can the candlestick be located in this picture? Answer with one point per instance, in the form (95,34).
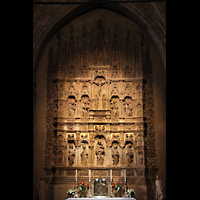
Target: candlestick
(76,195)
(89,175)
(125,193)
(124,175)
(111,193)
(76,175)
(89,194)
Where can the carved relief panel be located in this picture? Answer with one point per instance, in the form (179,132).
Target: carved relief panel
(97,105)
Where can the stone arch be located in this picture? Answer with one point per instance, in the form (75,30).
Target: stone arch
(99,136)
(45,27)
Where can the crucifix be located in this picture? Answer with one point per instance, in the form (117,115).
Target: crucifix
(99,81)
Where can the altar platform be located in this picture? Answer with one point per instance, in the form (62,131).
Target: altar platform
(103,198)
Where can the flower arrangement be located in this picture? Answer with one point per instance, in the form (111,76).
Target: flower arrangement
(83,187)
(118,187)
(71,192)
(131,192)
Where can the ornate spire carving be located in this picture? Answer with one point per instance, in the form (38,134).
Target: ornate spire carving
(100,50)
(115,56)
(72,56)
(127,58)
(84,56)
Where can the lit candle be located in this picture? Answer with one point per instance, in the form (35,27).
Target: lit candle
(111,175)
(89,175)
(76,175)
(124,175)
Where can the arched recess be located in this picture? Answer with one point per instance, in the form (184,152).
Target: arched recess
(47,26)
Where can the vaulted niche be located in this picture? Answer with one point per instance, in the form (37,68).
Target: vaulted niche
(99,92)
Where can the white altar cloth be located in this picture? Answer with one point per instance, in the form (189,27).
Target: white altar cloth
(104,198)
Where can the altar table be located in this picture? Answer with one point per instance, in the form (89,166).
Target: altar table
(103,198)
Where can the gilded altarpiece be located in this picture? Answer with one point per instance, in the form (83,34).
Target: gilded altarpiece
(99,107)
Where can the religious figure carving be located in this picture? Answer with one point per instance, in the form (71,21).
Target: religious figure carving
(41,188)
(129,154)
(128,109)
(71,154)
(159,187)
(100,153)
(84,155)
(139,140)
(140,158)
(71,107)
(114,106)
(85,106)
(115,154)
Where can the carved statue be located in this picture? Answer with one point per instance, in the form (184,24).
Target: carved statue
(85,106)
(128,109)
(115,155)
(41,188)
(140,158)
(114,107)
(71,108)
(159,187)
(139,141)
(129,154)
(100,153)
(71,154)
(84,155)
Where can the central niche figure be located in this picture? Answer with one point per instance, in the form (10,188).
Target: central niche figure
(100,96)
(100,153)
